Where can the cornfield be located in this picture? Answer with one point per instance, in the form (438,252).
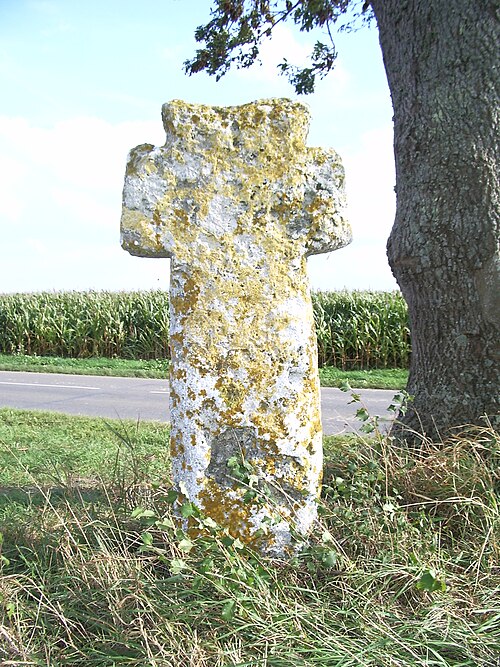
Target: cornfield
(362,329)
(85,324)
(354,329)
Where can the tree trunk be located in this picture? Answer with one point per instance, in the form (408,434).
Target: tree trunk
(442,61)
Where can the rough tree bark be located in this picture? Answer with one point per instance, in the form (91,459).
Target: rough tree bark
(443,66)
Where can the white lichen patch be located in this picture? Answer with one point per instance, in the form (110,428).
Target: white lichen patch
(238,201)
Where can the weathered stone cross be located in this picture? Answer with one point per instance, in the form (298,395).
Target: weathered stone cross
(238,201)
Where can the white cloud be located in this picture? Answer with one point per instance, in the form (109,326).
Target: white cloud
(62,201)
(85,211)
(87,152)
(283,45)
(66,266)
(12,177)
(358,266)
(370,180)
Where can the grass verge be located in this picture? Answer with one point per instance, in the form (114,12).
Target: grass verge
(51,449)
(380,378)
(402,569)
(89,366)
(390,378)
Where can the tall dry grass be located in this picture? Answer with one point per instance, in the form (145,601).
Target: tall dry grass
(401,569)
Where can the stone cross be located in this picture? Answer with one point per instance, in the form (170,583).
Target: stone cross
(237,201)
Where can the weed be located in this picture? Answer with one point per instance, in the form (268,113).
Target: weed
(400,570)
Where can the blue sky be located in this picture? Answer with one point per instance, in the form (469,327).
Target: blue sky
(83,82)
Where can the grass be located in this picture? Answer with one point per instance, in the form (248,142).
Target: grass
(48,448)
(389,378)
(146,368)
(402,569)
(379,378)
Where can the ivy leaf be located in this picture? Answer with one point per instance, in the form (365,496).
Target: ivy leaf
(186,545)
(147,539)
(177,565)
(228,610)
(187,510)
(429,581)
(329,559)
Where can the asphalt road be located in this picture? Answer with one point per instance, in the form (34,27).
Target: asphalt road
(145,400)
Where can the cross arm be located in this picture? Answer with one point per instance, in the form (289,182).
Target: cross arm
(325,201)
(145,186)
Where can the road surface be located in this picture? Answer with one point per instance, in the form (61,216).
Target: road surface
(145,400)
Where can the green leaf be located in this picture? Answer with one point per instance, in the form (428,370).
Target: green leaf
(186,545)
(329,559)
(326,537)
(147,539)
(206,565)
(141,513)
(362,414)
(171,496)
(340,484)
(187,510)
(430,582)
(10,608)
(228,610)
(177,565)
(249,496)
